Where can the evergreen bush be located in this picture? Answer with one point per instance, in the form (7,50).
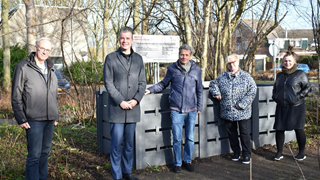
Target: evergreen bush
(84,72)
(17,53)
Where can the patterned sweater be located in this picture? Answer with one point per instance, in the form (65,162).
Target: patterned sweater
(237,89)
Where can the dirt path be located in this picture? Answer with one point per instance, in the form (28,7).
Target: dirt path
(222,168)
(263,167)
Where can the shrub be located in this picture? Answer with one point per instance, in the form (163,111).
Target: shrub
(308,60)
(84,72)
(17,53)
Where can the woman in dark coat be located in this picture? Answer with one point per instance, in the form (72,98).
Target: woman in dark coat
(289,90)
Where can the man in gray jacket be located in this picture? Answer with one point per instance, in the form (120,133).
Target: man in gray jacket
(125,81)
(35,106)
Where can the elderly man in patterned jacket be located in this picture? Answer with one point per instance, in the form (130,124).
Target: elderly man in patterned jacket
(235,89)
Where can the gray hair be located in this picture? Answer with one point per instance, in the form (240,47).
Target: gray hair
(186,47)
(126,29)
(232,55)
(44,38)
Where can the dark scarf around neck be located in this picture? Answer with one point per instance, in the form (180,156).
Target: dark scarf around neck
(289,71)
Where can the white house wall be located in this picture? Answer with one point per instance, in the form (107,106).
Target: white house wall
(45,14)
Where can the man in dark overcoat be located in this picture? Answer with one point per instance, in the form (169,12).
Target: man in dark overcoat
(125,81)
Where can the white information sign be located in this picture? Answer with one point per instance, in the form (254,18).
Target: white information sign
(157,48)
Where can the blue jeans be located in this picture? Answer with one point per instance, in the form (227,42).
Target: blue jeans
(178,119)
(39,139)
(121,132)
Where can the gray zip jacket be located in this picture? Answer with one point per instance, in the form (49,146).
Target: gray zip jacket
(32,98)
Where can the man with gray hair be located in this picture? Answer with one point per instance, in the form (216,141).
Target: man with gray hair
(185,103)
(35,105)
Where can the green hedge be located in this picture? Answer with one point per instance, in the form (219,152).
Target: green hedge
(17,53)
(309,60)
(90,74)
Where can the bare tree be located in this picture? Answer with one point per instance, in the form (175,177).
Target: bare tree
(30,21)
(136,17)
(227,15)
(269,20)
(106,15)
(315,16)
(186,21)
(204,57)
(6,46)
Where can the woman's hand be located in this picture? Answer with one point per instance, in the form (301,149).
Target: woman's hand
(218,97)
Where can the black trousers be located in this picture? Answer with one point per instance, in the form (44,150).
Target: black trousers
(232,129)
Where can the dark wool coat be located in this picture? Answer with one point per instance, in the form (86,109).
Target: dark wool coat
(123,82)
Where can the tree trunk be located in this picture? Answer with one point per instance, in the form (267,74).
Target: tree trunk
(6,47)
(228,24)
(144,29)
(31,21)
(204,58)
(186,21)
(217,47)
(106,14)
(136,17)
(315,16)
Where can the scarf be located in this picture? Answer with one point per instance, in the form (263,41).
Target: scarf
(185,68)
(289,71)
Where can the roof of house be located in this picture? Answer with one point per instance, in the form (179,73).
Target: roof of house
(253,24)
(298,33)
(279,32)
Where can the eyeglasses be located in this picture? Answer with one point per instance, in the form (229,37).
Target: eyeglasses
(233,62)
(44,50)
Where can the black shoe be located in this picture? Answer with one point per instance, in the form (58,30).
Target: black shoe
(278,156)
(300,157)
(246,160)
(176,169)
(235,157)
(188,167)
(128,177)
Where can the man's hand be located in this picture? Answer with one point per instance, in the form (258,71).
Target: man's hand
(147,91)
(25,125)
(133,103)
(125,105)
(55,123)
(217,97)
(198,112)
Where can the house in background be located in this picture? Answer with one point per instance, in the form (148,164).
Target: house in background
(301,40)
(49,24)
